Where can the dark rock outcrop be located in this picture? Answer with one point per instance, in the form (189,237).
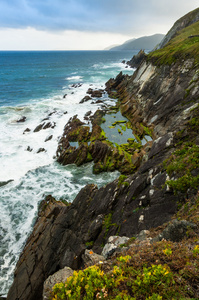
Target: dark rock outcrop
(92,146)
(176,231)
(21,119)
(85,99)
(137,59)
(41,150)
(26,130)
(2,183)
(49,138)
(45,126)
(95,93)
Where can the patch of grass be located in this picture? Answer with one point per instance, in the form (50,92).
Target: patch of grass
(89,244)
(107,223)
(121,181)
(147,130)
(183,164)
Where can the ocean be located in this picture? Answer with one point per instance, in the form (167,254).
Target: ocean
(37,87)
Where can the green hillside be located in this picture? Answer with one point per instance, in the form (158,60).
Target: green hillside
(184,45)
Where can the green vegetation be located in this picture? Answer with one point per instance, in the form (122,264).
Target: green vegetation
(164,270)
(119,122)
(89,244)
(121,181)
(107,223)
(183,162)
(183,165)
(147,130)
(184,45)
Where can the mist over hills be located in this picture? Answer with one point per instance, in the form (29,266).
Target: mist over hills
(145,42)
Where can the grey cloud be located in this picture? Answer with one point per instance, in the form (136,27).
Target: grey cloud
(120,16)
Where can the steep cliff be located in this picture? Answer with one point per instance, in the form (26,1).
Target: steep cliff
(180,24)
(161,98)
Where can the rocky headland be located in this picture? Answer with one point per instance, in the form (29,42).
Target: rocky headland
(158,106)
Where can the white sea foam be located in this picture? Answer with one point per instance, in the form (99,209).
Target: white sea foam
(17,215)
(74,78)
(36,174)
(15,159)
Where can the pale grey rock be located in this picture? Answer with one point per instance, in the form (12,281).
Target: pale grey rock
(90,258)
(143,235)
(59,276)
(113,243)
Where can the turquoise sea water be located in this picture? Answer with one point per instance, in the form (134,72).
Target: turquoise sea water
(32,86)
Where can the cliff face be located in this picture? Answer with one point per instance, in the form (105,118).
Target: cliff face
(160,98)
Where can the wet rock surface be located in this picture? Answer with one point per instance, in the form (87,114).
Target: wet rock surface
(2,183)
(95,93)
(21,120)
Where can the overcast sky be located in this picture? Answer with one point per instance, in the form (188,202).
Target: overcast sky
(84,24)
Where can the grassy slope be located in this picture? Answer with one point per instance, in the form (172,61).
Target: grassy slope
(180,47)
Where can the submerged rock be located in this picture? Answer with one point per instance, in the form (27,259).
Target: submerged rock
(2,183)
(85,99)
(21,119)
(95,93)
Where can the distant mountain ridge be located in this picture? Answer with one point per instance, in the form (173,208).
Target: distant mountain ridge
(145,42)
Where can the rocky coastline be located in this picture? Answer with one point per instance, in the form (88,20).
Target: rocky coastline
(160,107)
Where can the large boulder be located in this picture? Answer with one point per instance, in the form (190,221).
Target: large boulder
(59,276)
(112,244)
(176,231)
